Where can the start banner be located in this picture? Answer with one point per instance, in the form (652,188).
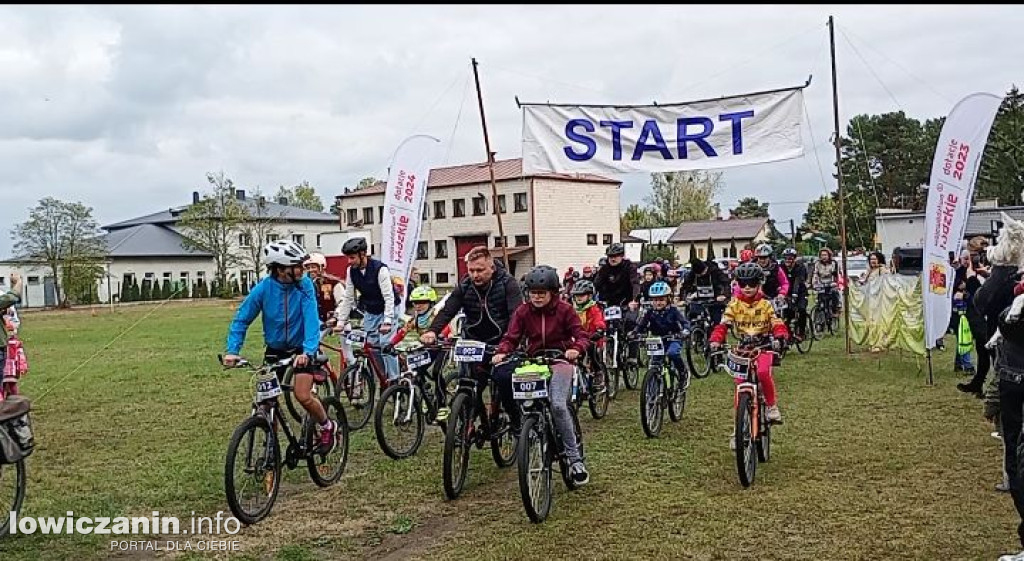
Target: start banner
(719,133)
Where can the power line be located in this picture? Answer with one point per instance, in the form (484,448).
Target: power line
(543,79)
(871,70)
(434,105)
(898,65)
(458,117)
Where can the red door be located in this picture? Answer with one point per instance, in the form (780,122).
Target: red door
(462,247)
(337,265)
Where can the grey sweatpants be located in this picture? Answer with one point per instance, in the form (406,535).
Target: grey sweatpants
(559,390)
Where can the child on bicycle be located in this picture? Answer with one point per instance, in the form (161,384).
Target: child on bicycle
(592,319)
(10,364)
(424,305)
(664,320)
(291,327)
(546,322)
(753,315)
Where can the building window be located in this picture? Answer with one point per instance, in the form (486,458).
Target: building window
(607,239)
(380,212)
(3,281)
(33,280)
(244,240)
(591,239)
(272,236)
(421,250)
(149,276)
(498,241)
(318,240)
(368,215)
(522,240)
(167,276)
(700,253)
(501,204)
(520,202)
(458,208)
(424,278)
(441,249)
(183,276)
(352,215)
(439,209)
(299,240)
(373,249)
(442,278)
(479,206)
(201,275)
(426,211)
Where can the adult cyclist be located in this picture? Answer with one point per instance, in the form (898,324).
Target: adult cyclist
(376,297)
(826,271)
(710,285)
(619,285)
(796,274)
(286,300)
(776,283)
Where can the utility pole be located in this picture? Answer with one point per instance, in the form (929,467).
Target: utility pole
(792,232)
(490,168)
(839,178)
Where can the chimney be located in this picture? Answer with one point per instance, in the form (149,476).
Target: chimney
(263,200)
(283,201)
(240,194)
(195,197)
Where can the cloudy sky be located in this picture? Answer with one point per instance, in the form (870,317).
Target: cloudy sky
(126,108)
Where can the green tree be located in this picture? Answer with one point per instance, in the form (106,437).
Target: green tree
(750,207)
(165,290)
(257,224)
(213,224)
(1002,167)
(635,218)
(301,196)
(79,279)
(657,251)
(66,238)
(682,196)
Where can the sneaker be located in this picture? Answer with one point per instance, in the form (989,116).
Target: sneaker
(327,441)
(969,387)
(774,415)
(442,416)
(1003,487)
(1013,557)
(579,474)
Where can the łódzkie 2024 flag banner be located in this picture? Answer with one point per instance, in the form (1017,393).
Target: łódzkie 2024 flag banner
(719,133)
(951,188)
(403,205)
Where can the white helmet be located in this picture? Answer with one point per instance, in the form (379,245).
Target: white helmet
(318,259)
(284,252)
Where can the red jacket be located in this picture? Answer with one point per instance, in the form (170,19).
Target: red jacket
(555,326)
(592,318)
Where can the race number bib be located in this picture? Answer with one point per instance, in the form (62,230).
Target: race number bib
(529,386)
(267,388)
(469,351)
(705,292)
(740,367)
(356,337)
(655,346)
(418,359)
(612,312)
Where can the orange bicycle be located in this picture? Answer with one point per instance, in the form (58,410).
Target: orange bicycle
(753,430)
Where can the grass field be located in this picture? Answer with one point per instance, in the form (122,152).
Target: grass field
(871,463)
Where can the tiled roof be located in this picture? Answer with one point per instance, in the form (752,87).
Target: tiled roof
(739,229)
(470,174)
(148,240)
(172,215)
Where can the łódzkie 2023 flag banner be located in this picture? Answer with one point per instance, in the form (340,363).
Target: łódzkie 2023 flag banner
(719,133)
(954,169)
(403,205)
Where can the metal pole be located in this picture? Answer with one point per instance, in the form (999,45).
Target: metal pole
(490,167)
(792,232)
(839,178)
(931,381)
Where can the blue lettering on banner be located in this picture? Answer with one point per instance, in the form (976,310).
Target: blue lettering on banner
(571,134)
(617,127)
(737,134)
(682,137)
(651,129)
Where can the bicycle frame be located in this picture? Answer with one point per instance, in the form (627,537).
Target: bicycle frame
(751,387)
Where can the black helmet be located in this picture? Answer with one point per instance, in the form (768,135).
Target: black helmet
(615,249)
(749,271)
(542,277)
(789,252)
(354,246)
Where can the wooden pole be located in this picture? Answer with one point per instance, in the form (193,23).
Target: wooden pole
(839,178)
(490,168)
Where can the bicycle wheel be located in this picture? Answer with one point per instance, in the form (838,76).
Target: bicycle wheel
(630,372)
(677,401)
(357,391)
(252,479)
(457,443)
(804,344)
(535,470)
(698,353)
(503,443)
(564,464)
(12,492)
(291,403)
(325,469)
(746,459)
(611,373)
(764,438)
(597,398)
(650,403)
(819,322)
(398,422)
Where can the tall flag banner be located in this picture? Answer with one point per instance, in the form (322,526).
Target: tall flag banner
(951,188)
(403,207)
(718,133)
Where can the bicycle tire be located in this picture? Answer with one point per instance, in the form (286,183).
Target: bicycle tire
(804,345)
(399,394)
(597,401)
(564,465)
(295,409)
(362,410)
(819,322)
(746,458)
(677,405)
(315,461)
(697,346)
(20,475)
(460,422)
(534,445)
(503,446)
(764,439)
(651,411)
(611,373)
(631,375)
(257,422)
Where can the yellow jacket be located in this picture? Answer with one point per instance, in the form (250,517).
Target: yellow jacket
(754,316)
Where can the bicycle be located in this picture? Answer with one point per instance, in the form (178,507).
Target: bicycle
(412,401)
(329,385)
(584,386)
(824,316)
(699,357)
(663,387)
(616,354)
(753,431)
(471,423)
(261,462)
(357,386)
(802,343)
(16,444)
(540,444)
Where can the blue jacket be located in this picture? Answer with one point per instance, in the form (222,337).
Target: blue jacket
(290,316)
(663,322)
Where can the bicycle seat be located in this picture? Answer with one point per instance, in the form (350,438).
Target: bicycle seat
(14,406)
(321,359)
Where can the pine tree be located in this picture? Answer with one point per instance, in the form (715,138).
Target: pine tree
(136,292)
(147,290)
(165,290)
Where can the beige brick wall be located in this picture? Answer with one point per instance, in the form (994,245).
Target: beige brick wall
(566,212)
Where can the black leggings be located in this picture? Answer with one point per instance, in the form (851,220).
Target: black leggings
(1011,405)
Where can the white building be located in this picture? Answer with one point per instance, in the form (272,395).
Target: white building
(727,237)
(897,228)
(560,220)
(150,248)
